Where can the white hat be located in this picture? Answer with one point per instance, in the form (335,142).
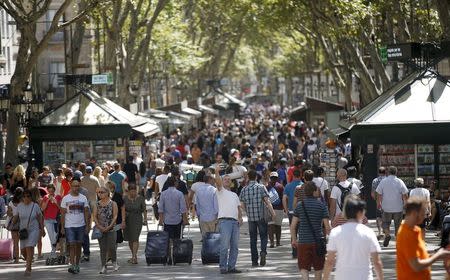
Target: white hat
(273,174)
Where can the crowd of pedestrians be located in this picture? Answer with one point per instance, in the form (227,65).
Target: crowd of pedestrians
(263,167)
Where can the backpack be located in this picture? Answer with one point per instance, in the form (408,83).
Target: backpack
(344,193)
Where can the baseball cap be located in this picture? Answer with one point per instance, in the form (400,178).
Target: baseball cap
(273,174)
(88,169)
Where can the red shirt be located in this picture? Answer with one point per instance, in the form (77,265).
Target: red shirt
(290,173)
(65,187)
(52,209)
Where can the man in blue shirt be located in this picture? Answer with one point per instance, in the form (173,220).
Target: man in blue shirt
(205,203)
(288,199)
(172,209)
(118,178)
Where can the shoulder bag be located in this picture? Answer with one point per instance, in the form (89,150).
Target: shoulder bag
(23,233)
(321,243)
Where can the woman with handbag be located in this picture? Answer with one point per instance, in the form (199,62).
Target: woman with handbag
(310,215)
(31,227)
(105,216)
(14,227)
(118,199)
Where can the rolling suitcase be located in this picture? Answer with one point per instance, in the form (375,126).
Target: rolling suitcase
(157,247)
(445,231)
(182,250)
(6,245)
(211,248)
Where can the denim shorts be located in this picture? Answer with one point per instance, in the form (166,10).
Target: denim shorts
(75,234)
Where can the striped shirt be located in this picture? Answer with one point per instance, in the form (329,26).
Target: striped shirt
(253,195)
(317,211)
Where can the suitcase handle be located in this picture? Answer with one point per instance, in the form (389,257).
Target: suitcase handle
(189,231)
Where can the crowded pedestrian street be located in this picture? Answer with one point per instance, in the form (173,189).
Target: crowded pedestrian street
(280,264)
(238,139)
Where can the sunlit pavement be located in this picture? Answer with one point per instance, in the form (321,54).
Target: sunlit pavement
(279,262)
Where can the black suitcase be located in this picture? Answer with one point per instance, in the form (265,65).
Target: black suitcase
(445,231)
(211,248)
(182,250)
(157,247)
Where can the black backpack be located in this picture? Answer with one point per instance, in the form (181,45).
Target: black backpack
(344,193)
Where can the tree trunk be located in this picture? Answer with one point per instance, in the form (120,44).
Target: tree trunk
(443,8)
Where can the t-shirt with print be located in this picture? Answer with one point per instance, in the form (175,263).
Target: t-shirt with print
(74,206)
(317,211)
(354,243)
(52,210)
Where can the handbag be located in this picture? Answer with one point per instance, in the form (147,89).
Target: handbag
(12,226)
(23,233)
(321,243)
(96,233)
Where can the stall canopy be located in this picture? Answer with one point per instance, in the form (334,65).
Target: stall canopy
(208,109)
(88,109)
(235,100)
(191,111)
(414,111)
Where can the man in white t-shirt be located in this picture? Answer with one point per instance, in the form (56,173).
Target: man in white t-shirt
(352,246)
(75,217)
(421,192)
(161,179)
(336,203)
(322,184)
(230,219)
(392,197)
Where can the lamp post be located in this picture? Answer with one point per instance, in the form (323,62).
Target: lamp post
(29,108)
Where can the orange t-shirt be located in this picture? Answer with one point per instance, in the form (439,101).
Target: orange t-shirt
(410,245)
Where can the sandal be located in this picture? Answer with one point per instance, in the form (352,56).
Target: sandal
(135,261)
(130,260)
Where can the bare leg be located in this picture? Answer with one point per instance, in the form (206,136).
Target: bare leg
(15,237)
(318,275)
(135,250)
(305,274)
(77,253)
(72,252)
(39,245)
(29,258)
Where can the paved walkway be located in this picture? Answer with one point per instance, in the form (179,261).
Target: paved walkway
(279,263)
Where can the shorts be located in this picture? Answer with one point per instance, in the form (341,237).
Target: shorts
(388,217)
(75,234)
(307,257)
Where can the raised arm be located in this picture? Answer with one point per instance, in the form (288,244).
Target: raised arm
(218,178)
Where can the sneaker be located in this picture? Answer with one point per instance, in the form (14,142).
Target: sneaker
(262,262)
(386,240)
(234,270)
(223,271)
(116,266)
(71,269)
(103,271)
(77,269)
(85,259)
(255,264)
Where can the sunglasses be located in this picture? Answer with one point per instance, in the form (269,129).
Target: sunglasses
(102,192)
